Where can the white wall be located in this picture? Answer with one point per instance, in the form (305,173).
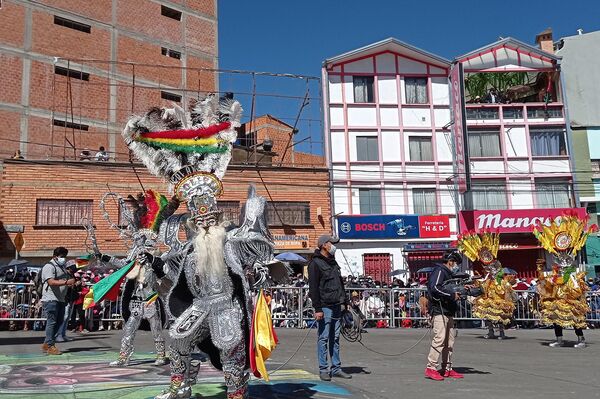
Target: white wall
(393,172)
(362,116)
(336,116)
(390,146)
(440,91)
(551,166)
(353,251)
(521,194)
(416,117)
(365,172)
(487,167)
(389,117)
(335,89)
(420,172)
(444,152)
(388,91)
(338,147)
(516,141)
(442,117)
(340,200)
(394,199)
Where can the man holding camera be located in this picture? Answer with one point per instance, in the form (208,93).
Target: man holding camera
(442,308)
(55,284)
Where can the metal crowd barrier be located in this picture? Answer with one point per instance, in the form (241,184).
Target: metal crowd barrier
(291,307)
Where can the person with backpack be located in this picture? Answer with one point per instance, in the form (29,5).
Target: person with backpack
(442,307)
(54,283)
(70,298)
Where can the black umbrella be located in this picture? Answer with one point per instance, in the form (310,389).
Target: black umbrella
(425,270)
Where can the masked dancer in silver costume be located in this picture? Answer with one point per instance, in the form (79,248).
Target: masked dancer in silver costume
(144,215)
(210,299)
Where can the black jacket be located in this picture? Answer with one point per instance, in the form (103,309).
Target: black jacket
(325,285)
(441,301)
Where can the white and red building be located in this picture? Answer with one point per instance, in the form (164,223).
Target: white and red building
(517,145)
(386,109)
(416,142)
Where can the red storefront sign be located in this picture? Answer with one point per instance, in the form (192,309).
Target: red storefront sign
(434,226)
(511,221)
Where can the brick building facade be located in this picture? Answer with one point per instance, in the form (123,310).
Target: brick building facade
(49,198)
(73,71)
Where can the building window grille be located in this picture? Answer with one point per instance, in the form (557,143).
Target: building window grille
(487,113)
(544,112)
(424,201)
(165,95)
(484,143)
(71,73)
(547,142)
(69,23)
(288,213)
(512,113)
(366,148)
(553,195)
(171,13)
(370,201)
(415,90)
(363,89)
(420,149)
(489,196)
(70,125)
(52,212)
(170,53)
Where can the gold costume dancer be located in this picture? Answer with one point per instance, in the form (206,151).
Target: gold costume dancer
(562,299)
(497,304)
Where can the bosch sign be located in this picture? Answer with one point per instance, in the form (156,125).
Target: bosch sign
(393,226)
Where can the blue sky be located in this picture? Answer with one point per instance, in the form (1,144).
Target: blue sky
(296,36)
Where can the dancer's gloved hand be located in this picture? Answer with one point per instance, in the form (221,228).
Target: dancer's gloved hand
(102,257)
(155,261)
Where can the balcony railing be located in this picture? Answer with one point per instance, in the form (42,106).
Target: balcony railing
(537,111)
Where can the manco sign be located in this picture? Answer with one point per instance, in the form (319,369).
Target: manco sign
(393,226)
(511,221)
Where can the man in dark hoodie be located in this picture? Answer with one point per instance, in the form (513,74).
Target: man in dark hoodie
(442,308)
(326,290)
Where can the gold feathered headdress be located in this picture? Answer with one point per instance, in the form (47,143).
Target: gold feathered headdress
(564,236)
(479,246)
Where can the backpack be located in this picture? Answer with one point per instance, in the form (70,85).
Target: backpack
(38,283)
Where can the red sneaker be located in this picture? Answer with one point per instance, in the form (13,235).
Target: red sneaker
(453,374)
(433,374)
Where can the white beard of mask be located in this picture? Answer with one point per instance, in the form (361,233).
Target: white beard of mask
(208,249)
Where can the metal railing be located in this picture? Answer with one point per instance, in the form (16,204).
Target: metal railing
(291,307)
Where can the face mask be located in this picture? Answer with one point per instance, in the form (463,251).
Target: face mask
(61,261)
(455,269)
(332,250)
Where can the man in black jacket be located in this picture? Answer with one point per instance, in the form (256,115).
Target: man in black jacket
(442,307)
(326,290)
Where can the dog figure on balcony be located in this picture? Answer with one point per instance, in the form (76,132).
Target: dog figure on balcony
(144,215)
(210,299)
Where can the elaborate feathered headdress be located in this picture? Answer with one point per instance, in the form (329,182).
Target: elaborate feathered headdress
(190,150)
(480,246)
(140,215)
(564,237)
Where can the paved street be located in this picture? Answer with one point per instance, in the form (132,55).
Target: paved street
(523,367)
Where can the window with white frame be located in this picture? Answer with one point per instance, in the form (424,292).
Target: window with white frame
(420,148)
(484,142)
(424,201)
(366,148)
(363,89)
(553,194)
(547,141)
(415,90)
(489,195)
(370,201)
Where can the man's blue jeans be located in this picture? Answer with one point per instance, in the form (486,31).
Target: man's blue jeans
(329,339)
(62,330)
(55,314)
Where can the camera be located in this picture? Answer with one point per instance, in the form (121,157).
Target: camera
(460,284)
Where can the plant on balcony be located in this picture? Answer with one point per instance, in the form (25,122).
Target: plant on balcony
(478,84)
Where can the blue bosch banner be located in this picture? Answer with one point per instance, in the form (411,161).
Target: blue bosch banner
(378,226)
